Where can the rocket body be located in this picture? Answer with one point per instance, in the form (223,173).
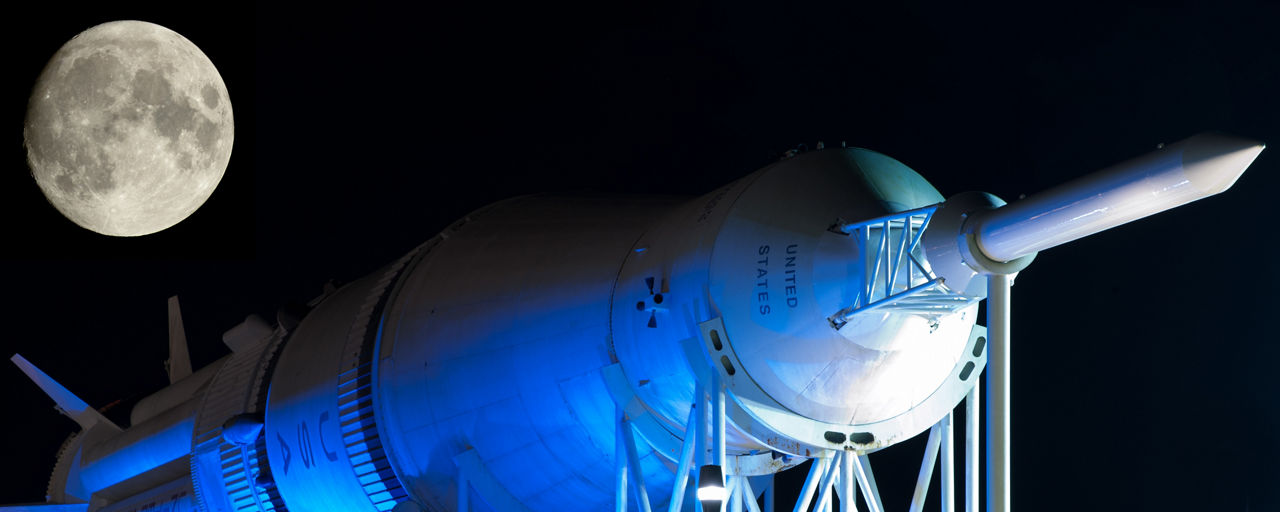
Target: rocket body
(504,356)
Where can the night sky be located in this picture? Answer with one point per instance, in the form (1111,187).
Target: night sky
(1144,358)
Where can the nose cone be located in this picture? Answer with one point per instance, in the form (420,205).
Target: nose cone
(1213,162)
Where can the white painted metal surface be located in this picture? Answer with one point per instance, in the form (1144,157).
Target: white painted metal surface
(849,496)
(782,272)
(685,465)
(867,482)
(948,492)
(1191,169)
(634,470)
(972,465)
(999,472)
(817,469)
(931,447)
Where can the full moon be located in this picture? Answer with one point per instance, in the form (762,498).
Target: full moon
(129,129)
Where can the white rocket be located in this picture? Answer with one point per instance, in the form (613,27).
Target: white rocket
(589,353)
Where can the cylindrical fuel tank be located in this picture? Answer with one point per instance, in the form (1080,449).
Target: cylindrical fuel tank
(484,352)
(491,339)
(494,345)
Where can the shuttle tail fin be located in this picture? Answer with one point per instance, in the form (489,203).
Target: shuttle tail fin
(179,363)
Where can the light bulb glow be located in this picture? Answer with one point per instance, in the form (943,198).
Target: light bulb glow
(714,492)
(711,484)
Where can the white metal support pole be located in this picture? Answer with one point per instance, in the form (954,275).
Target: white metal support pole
(700,431)
(849,501)
(926,468)
(838,488)
(735,494)
(817,468)
(620,478)
(824,488)
(464,492)
(867,480)
(717,428)
(686,459)
(717,422)
(998,468)
(948,463)
(971,441)
(633,466)
(749,494)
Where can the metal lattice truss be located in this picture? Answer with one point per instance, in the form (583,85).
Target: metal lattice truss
(898,280)
(844,474)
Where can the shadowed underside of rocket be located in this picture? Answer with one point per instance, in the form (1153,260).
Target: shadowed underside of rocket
(545,352)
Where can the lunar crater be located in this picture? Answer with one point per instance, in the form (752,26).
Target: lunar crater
(129,129)
(210,95)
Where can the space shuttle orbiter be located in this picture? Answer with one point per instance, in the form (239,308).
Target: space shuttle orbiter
(591,353)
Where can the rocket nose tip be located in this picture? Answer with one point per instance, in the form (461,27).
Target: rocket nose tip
(1249,150)
(1213,162)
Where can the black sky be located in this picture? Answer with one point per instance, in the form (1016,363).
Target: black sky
(1144,357)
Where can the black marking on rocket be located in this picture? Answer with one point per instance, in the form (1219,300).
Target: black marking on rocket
(657,299)
(332,456)
(304,446)
(284,448)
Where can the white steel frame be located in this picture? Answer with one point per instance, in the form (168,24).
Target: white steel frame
(844,473)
